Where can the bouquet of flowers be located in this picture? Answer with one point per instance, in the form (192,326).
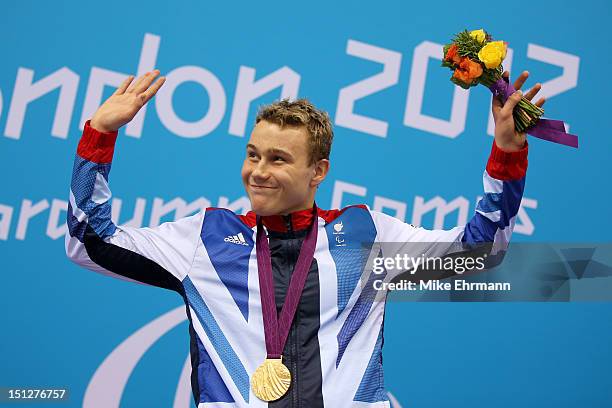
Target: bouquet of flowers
(475,59)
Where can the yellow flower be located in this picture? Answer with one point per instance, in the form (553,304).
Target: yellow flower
(478,35)
(493,54)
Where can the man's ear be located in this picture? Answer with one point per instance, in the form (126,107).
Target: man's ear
(321,168)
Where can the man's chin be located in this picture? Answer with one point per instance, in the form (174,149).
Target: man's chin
(263,209)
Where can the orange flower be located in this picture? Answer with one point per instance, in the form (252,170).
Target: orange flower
(452,54)
(467,71)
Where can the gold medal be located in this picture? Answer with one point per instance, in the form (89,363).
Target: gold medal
(271,380)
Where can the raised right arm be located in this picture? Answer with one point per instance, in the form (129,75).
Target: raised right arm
(158,256)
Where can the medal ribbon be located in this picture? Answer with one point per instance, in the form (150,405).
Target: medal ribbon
(277,328)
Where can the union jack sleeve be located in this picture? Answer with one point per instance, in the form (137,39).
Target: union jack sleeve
(158,256)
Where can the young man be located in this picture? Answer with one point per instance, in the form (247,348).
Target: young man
(279,315)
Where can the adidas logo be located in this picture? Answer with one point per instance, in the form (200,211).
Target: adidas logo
(236,239)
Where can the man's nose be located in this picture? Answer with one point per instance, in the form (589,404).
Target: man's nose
(260,172)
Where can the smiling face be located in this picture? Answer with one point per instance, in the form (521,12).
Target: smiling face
(277,174)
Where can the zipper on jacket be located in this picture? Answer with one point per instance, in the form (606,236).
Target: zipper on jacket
(296,402)
(288,222)
(294,340)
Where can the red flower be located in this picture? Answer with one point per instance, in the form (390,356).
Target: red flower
(467,71)
(452,55)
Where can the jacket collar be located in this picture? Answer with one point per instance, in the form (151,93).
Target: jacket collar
(295,221)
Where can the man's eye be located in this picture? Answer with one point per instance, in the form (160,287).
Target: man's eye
(277,158)
(251,154)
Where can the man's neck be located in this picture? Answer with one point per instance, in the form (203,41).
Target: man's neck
(298,219)
(306,206)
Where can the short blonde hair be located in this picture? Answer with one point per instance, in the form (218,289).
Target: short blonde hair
(302,113)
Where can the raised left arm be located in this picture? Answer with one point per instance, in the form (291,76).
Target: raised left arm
(493,222)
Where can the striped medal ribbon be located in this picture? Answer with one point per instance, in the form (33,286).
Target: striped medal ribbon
(272,378)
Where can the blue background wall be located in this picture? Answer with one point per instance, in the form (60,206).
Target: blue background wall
(60,322)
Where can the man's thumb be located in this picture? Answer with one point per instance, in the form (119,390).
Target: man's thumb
(512,101)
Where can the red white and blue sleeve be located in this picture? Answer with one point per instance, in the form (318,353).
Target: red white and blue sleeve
(491,224)
(159,256)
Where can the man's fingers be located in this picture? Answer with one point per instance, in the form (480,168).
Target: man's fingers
(149,93)
(124,85)
(540,102)
(147,79)
(520,81)
(533,91)
(136,83)
(138,86)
